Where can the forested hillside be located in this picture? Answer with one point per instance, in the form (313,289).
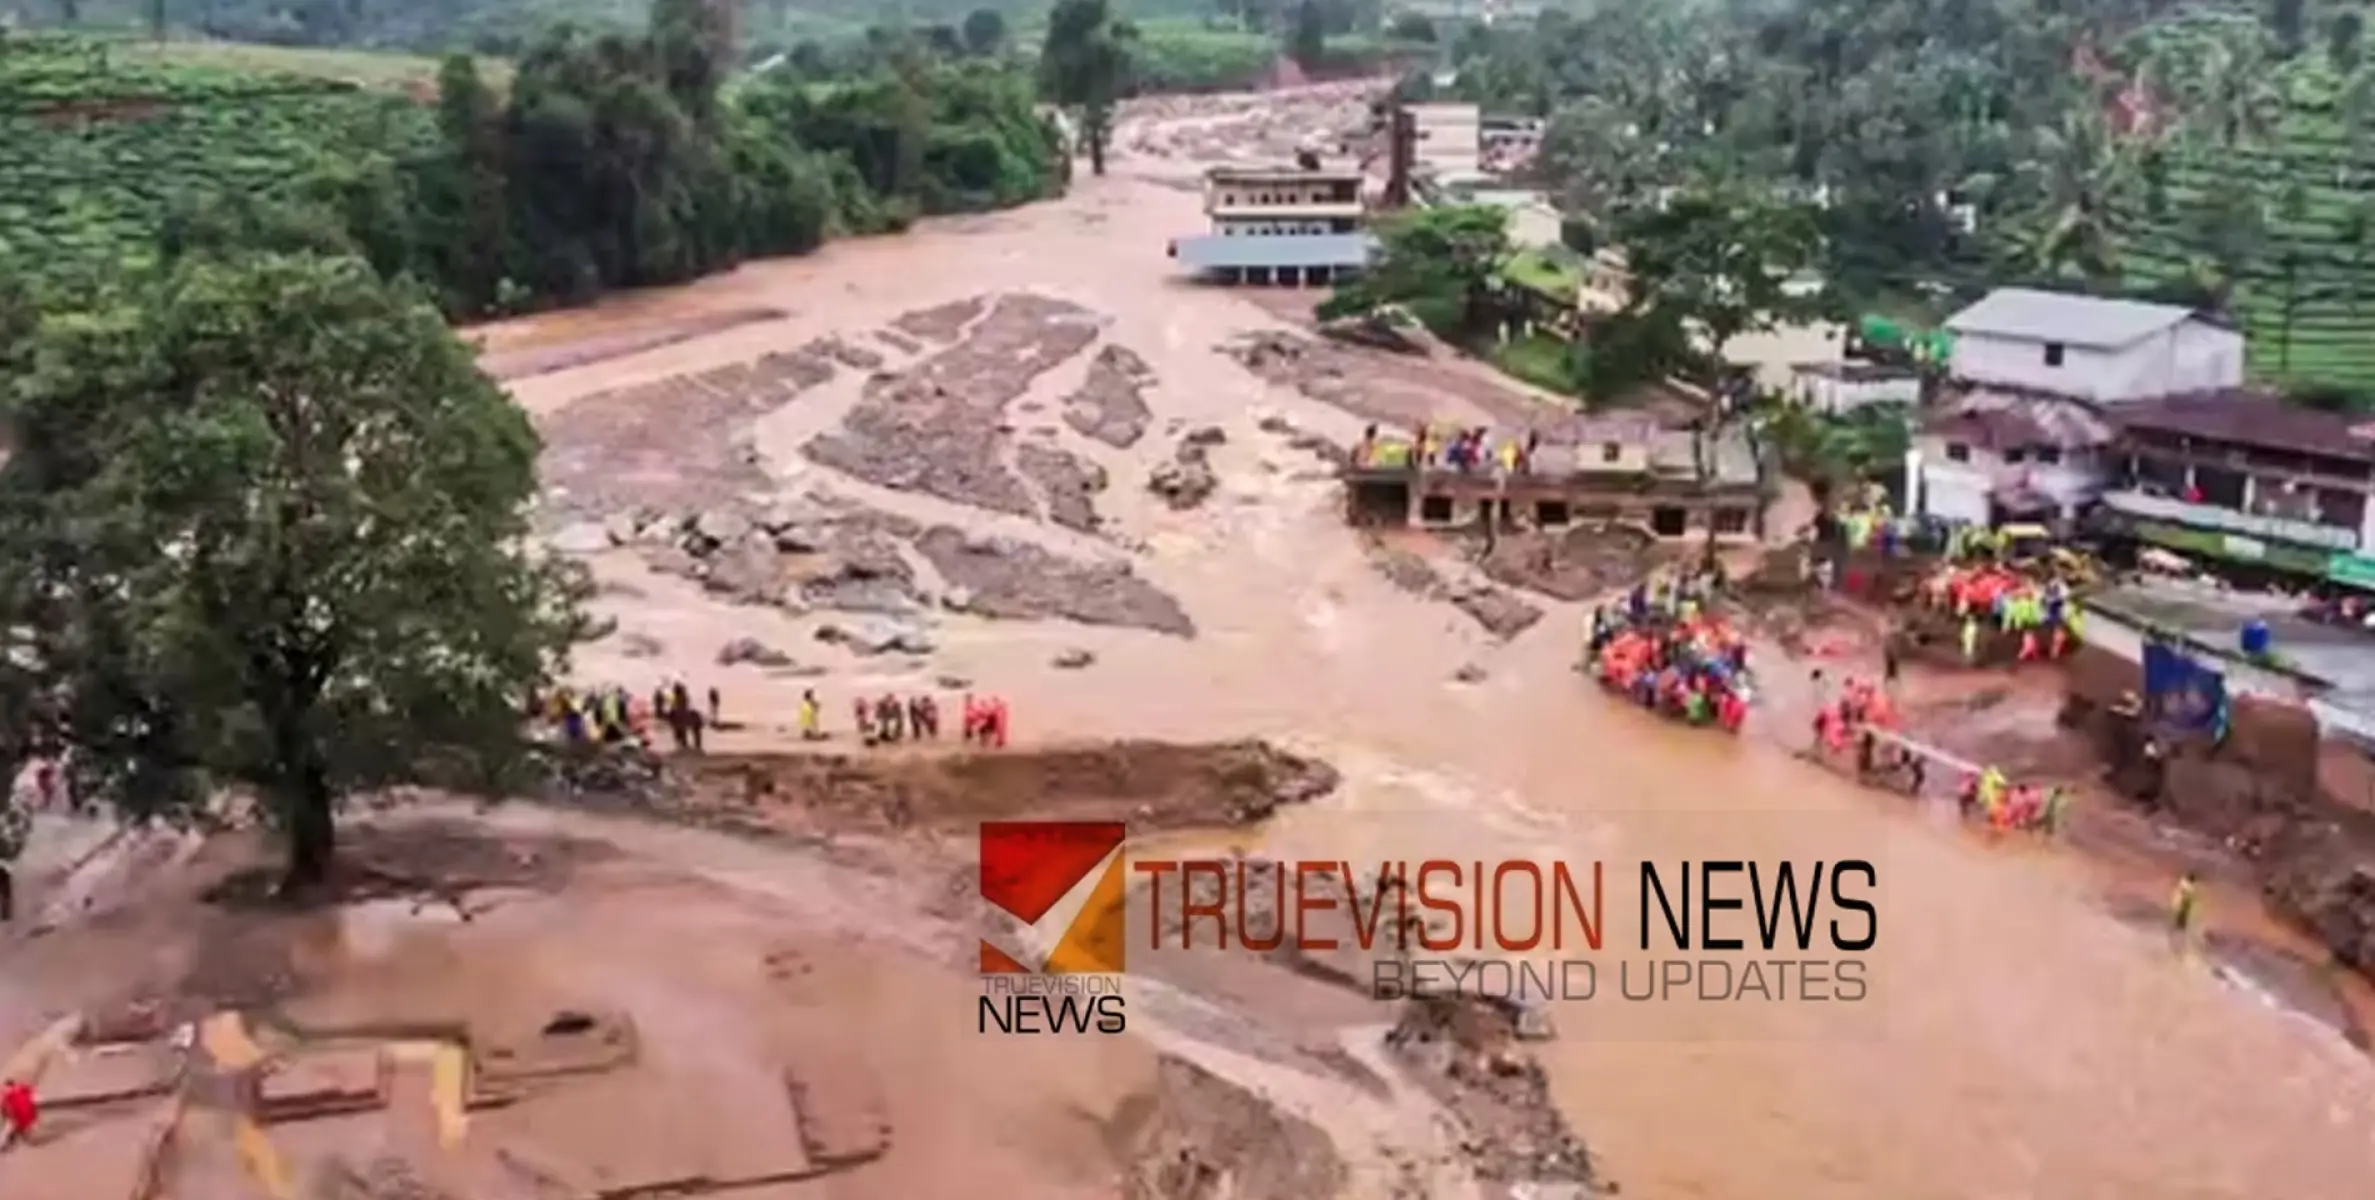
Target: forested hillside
(1183,44)
(2216,155)
(611,161)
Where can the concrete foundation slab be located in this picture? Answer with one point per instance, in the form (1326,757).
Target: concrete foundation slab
(108,1074)
(565,1043)
(843,1118)
(66,1160)
(323,1083)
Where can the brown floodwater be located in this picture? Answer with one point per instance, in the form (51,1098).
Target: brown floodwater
(2021,1040)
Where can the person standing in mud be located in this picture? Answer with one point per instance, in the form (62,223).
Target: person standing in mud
(2184,907)
(680,699)
(921,720)
(16,827)
(864,715)
(890,718)
(715,709)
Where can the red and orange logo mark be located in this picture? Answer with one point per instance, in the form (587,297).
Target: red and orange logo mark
(1030,868)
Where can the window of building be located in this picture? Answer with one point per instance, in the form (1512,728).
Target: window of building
(2219,487)
(1958,452)
(1731,520)
(1668,520)
(1434,510)
(2341,506)
(2048,455)
(2015,456)
(2160,476)
(2053,354)
(1612,452)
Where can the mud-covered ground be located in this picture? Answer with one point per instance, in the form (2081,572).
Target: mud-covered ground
(719,973)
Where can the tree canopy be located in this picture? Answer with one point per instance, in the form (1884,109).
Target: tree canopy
(2159,150)
(267,527)
(1084,65)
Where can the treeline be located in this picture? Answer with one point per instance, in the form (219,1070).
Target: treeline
(622,162)
(618,161)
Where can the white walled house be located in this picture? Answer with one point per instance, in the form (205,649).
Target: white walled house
(2095,350)
(1832,388)
(2004,456)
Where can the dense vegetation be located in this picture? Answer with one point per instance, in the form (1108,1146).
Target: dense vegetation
(265,523)
(609,161)
(2121,145)
(1184,45)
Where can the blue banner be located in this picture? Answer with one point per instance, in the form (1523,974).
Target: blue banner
(2181,691)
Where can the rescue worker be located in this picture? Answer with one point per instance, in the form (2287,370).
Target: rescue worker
(890,718)
(19,1109)
(2057,807)
(16,827)
(2184,905)
(1971,640)
(812,716)
(864,714)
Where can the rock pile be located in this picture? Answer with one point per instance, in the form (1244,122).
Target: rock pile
(1111,404)
(940,428)
(942,323)
(1018,580)
(1187,480)
(675,443)
(1462,1050)
(1069,483)
(1502,613)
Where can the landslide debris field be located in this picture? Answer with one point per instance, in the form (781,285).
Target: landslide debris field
(672,469)
(725,975)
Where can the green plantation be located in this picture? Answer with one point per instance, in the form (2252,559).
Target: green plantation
(2281,215)
(103,147)
(599,163)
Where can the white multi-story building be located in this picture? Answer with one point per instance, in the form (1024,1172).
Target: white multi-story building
(2038,379)
(2084,348)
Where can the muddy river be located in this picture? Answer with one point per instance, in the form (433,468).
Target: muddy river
(2023,1042)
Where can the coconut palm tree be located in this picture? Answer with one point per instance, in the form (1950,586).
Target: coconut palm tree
(2072,178)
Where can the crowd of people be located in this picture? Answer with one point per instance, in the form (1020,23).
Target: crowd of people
(1987,598)
(1665,649)
(1448,448)
(1863,720)
(614,716)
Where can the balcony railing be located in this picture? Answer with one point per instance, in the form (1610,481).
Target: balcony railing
(2227,520)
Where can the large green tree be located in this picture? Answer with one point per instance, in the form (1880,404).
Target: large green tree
(1084,66)
(1443,264)
(267,528)
(1720,257)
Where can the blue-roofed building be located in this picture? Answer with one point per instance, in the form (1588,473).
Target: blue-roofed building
(1286,226)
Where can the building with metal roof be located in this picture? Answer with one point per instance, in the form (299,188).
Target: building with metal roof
(2099,351)
(2029,314)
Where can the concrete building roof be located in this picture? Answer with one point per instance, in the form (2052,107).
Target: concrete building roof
(2031,315)
(1210,252)
(2254,417)
(1283,175)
